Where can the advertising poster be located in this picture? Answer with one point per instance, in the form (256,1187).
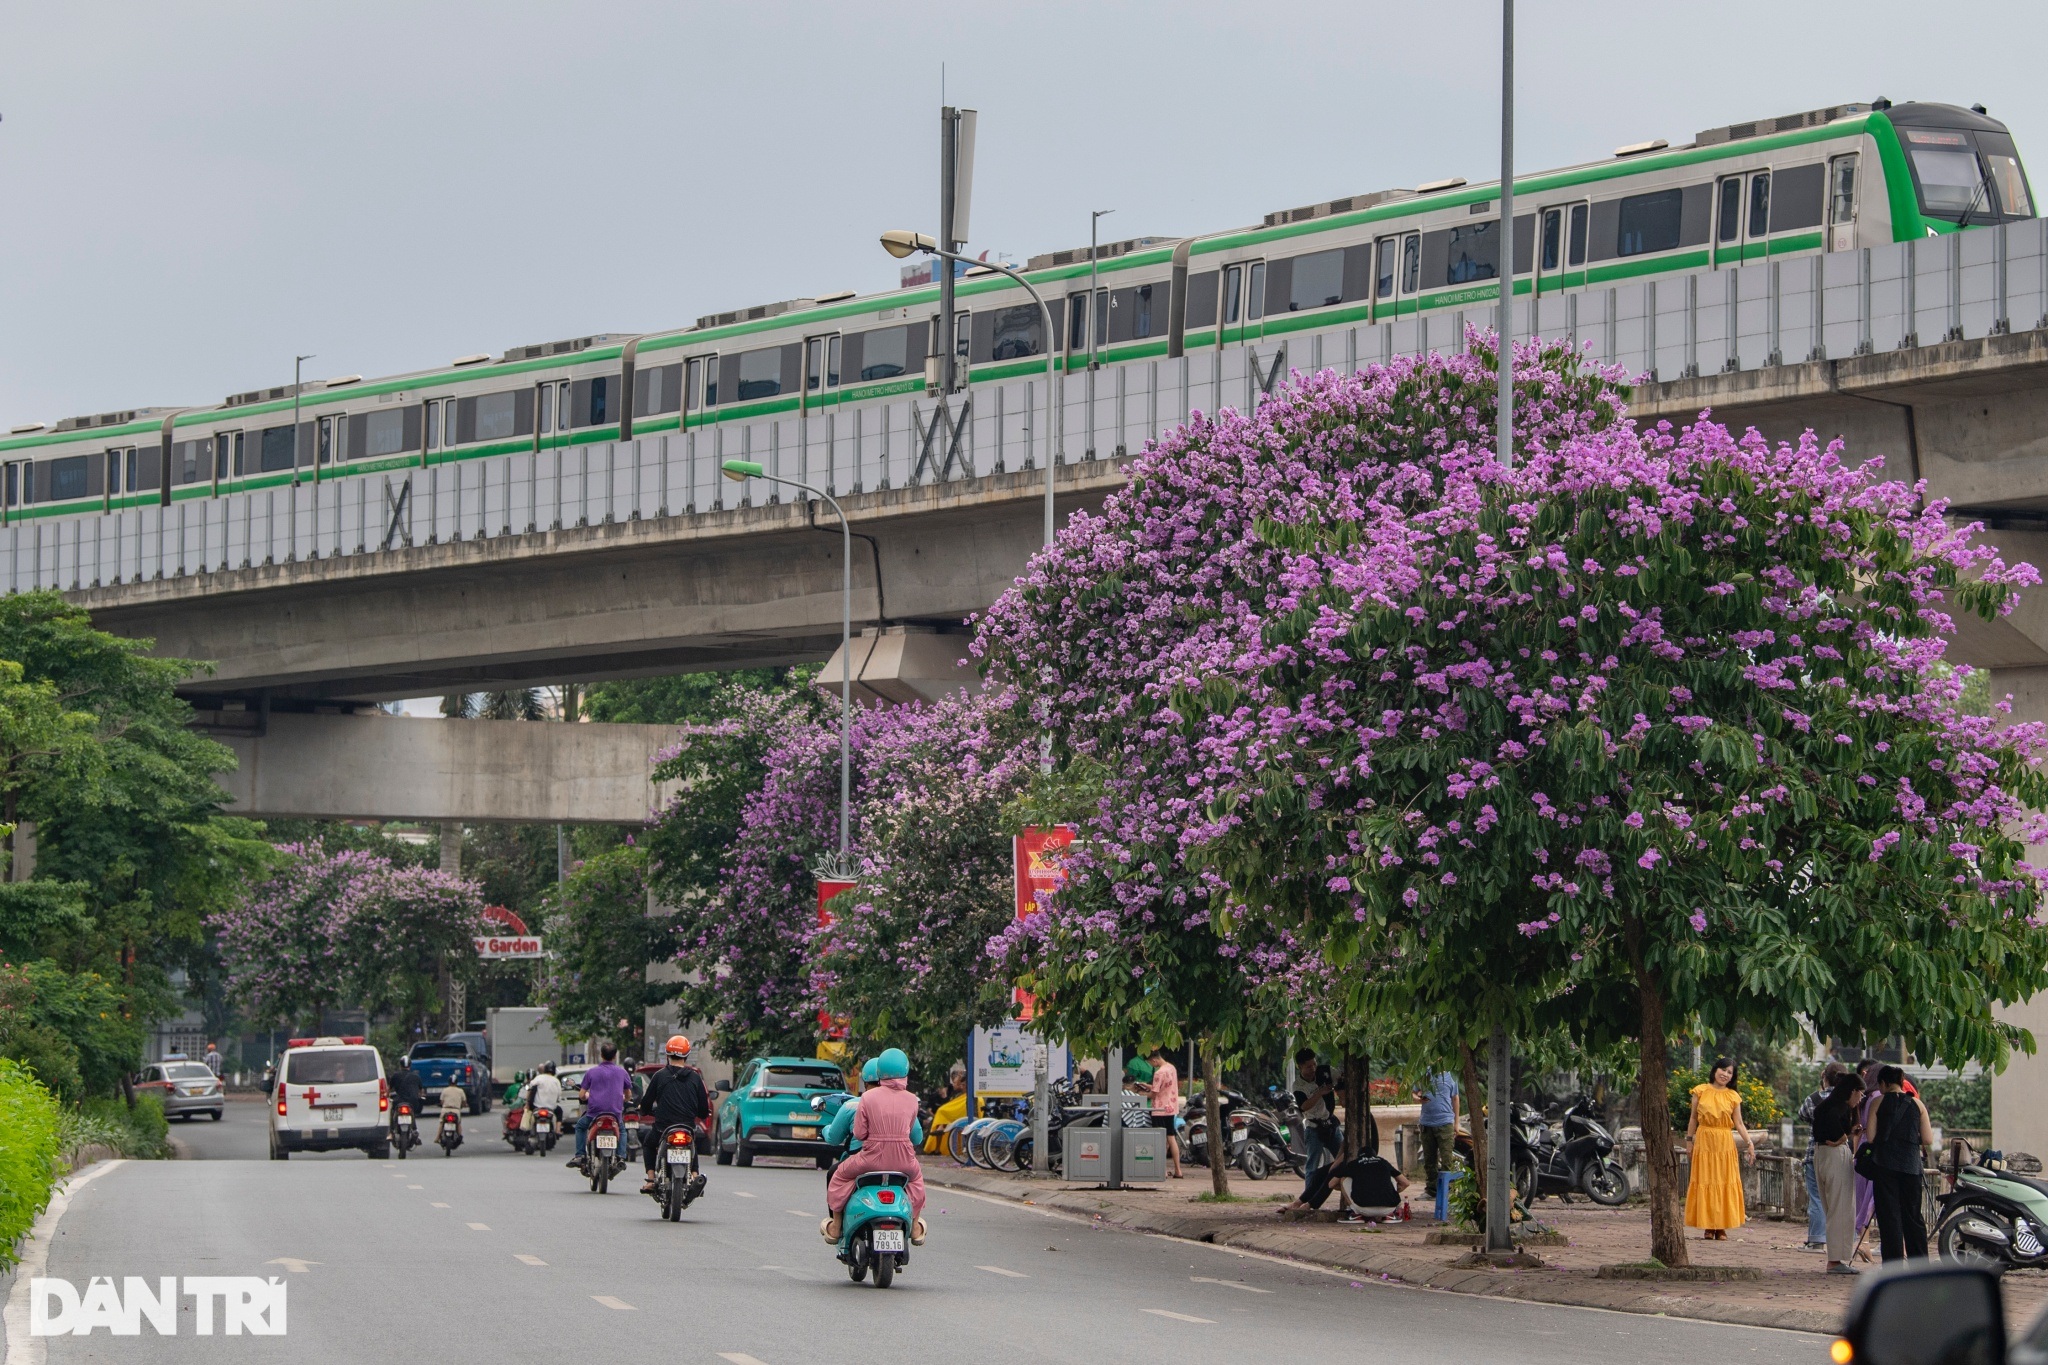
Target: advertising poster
(835,1029)
(1038,872)
(1004,1060)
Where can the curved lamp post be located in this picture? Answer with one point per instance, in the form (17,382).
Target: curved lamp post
(900,244)
(841,868)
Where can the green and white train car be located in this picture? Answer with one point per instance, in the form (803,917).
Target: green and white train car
(1770,241)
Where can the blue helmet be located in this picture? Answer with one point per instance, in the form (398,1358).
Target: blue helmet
(892,1065)
(868,1072)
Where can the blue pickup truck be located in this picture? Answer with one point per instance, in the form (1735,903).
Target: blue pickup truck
(453,1059)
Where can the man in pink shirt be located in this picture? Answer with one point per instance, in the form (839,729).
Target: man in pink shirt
(1165,1092)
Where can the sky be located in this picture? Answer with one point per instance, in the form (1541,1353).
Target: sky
(192,193)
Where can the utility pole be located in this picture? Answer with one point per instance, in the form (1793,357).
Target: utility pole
(1500,1112)
(956,195)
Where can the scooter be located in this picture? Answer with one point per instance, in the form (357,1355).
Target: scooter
(1579,1161)
(405,1131)
(874,1227)
(451,1133)
(677,1181)
(604,1152)
(542,1138)
(1996,1211)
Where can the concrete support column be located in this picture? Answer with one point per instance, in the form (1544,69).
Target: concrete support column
(451,847)
(2019,1094)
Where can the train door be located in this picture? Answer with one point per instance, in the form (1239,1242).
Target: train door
(1842,202)
(821,367)
(1243,303)
(1742,217)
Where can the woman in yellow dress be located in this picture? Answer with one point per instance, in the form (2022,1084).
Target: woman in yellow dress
(1713,1200)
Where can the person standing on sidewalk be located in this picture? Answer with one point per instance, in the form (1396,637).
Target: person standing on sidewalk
(1713,1198)
(1165,1091)
(1832,1160)
(1322,1137)
(1897,1146)
(1439,1123)
(1816,1215)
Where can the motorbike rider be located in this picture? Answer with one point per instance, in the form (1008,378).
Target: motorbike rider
(604,1092)
(454,1099)
(542,1092)
(405,1090)
(675,1098)
(839,1132)
(883,1122)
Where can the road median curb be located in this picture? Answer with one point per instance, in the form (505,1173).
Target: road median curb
(1564,1288)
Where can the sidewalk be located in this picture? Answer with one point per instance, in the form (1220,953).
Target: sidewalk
(1790,1291)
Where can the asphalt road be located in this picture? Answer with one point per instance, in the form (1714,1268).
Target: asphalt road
(481,1256)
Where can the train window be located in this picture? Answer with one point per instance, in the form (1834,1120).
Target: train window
(1730,227)
(1649,222)
(1077,322)
(884,353)
(323,442)
(493,416)
(240,458)
(190,463)
(1760,204)
(68,478)
(1317,281)
(1842,189)
(383,433)
(1383,283)
(700,386)
(1798,197)
(1136,313)
(433,424)
(1010,333)
(545,394)
(592,402)
(1553,235)
(1255,293)
(657,389)
(832,363)
(277,449)
(1576,243)
(2011,184)
(760,373)
(28,481)
(1232,278)
(113,471)
(1411,263)
(1201,300)
(12,490)
(1474,253)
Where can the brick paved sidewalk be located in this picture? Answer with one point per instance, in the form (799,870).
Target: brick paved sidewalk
(1792,1292)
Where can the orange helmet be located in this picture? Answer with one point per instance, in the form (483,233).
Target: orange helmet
(678,1048)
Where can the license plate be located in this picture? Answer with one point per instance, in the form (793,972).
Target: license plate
(887,1239)
(803,1132)
(405,1122)
(331,1115)
(607,1143)
(678,1158)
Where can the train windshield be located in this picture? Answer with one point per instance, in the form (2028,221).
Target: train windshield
(1968,178)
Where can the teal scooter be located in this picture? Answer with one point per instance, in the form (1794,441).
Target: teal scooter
(1996,1211)
(874,1228)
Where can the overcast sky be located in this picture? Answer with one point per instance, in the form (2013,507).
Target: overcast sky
(192,192)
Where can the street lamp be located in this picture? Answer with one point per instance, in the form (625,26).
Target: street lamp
(1095,324)
(900,244)
(739,471)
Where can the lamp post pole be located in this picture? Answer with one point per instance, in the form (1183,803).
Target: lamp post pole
(740,470)
(904,243)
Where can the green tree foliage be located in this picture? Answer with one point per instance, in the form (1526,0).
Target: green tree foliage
(79,1032)
(1956,1102)
(601,940)
(685,698)
(29,1149)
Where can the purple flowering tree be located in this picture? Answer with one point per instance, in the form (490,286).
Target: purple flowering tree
(1651,732)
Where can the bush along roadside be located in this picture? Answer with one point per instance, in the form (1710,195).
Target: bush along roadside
(141,1132)
(29,1154)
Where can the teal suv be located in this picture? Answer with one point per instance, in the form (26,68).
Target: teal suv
(768,1112)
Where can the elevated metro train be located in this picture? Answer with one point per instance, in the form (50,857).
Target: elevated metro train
(1828,180)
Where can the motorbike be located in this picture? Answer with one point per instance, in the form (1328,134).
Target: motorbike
(405,1131)
(604,1152)
(542,1138)
(874,1227)
(1269,1140)
(677,1181)
(450,1136)
(1194,1136)
(1996,1210)
(1574,1158)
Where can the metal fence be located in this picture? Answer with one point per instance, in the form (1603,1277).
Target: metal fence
(1964,285)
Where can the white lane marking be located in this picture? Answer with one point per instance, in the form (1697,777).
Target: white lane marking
(524,1259)
(740,1357)
(742,1194)
(1229,1284)
(610,1302)
(770,1267)
(437,1206)
(415,1187)
(1177,1317)
(293,1264)
(22,1348)
(479,1227)
(800,1213)
(998,1270)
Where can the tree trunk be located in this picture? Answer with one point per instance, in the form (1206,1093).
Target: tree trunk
(1475,1112)
(1212,1110)
(1667,1222)
(1360,1136)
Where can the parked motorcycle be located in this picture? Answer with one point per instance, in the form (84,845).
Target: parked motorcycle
(1194,1134)
(874,1227)
(405,1131)
(604,1152)
(1996,1210)
(450,1136)
(677,1181)
(1575,1157)
(1269,1140)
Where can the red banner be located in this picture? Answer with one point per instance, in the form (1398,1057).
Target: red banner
(1039,872)
(834,1028)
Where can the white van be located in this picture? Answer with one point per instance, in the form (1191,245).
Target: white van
(331,1093)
